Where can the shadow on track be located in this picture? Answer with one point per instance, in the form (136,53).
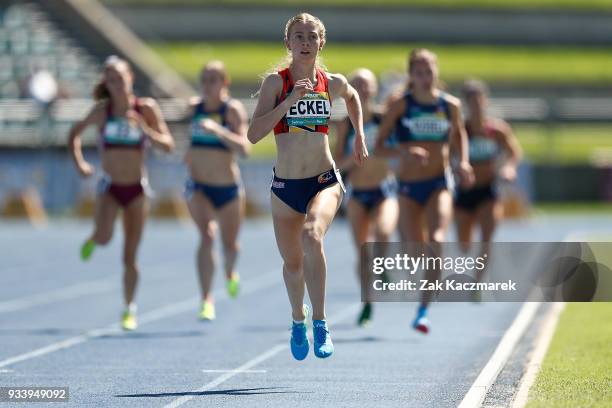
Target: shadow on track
(235,391)
(48,331)
(153,335)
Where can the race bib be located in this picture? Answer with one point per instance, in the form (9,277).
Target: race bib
(482,148)
(120,131)
(200,135)
(428,127)
(313,109)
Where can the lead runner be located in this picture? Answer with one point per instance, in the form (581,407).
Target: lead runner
(307,188)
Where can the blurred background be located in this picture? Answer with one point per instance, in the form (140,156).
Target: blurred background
(548,64)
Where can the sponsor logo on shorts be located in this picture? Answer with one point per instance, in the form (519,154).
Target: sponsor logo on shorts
(325,177)
(278,184)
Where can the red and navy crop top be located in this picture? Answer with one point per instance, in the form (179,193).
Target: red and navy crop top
(311,113)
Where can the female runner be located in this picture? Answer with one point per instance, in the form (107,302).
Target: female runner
(126,123)
(489,140)
(306,189)
(427,121)
(372,208)
(218,132)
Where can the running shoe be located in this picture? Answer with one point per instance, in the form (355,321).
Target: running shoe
(365,315)
(299,341)
(233,285)
(207,312)
(421,322)
(128,321)
(323,346)
(87,250)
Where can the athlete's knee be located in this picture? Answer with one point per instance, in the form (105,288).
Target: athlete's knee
(312,238)
(102,237)
(292,266)
(129,264)
(487,234)
(437,236)
(231,246)
(208,235)
(383,236)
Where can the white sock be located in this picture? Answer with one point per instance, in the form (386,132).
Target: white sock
(299,321)
(132,308)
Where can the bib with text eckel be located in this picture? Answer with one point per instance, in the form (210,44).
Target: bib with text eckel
(311,110)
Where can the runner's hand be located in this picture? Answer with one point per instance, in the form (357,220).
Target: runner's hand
(85,169)
(419,154)
(300,88)
(360,150)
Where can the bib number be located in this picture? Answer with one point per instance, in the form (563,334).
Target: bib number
(312,109)
(120,131)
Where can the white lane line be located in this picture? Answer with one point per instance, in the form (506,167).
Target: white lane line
(237,372)
(262,282)
(477,392)
(533,367)
(339,316)
(78,290)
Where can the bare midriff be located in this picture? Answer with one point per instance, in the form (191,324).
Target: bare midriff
(410,169)
(302,154)
(212,166)
(124,165)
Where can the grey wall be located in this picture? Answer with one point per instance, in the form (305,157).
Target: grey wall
(371,25)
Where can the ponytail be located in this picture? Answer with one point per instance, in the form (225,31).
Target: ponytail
(100,91)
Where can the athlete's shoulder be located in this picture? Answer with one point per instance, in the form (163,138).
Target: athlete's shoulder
(147,103)
(272,82)
(335,78)
(235,106)
(234,103)
(450,99)
(499,126)
(98,111)
(397,101)
(194,101)
(273,78)
(337,84)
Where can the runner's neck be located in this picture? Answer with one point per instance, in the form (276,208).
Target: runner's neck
(300,72)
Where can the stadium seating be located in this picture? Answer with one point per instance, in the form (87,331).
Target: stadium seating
(29,41)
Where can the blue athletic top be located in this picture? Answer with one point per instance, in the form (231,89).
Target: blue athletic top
(424,123)
(370,131)
(483,147)
(201,138)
